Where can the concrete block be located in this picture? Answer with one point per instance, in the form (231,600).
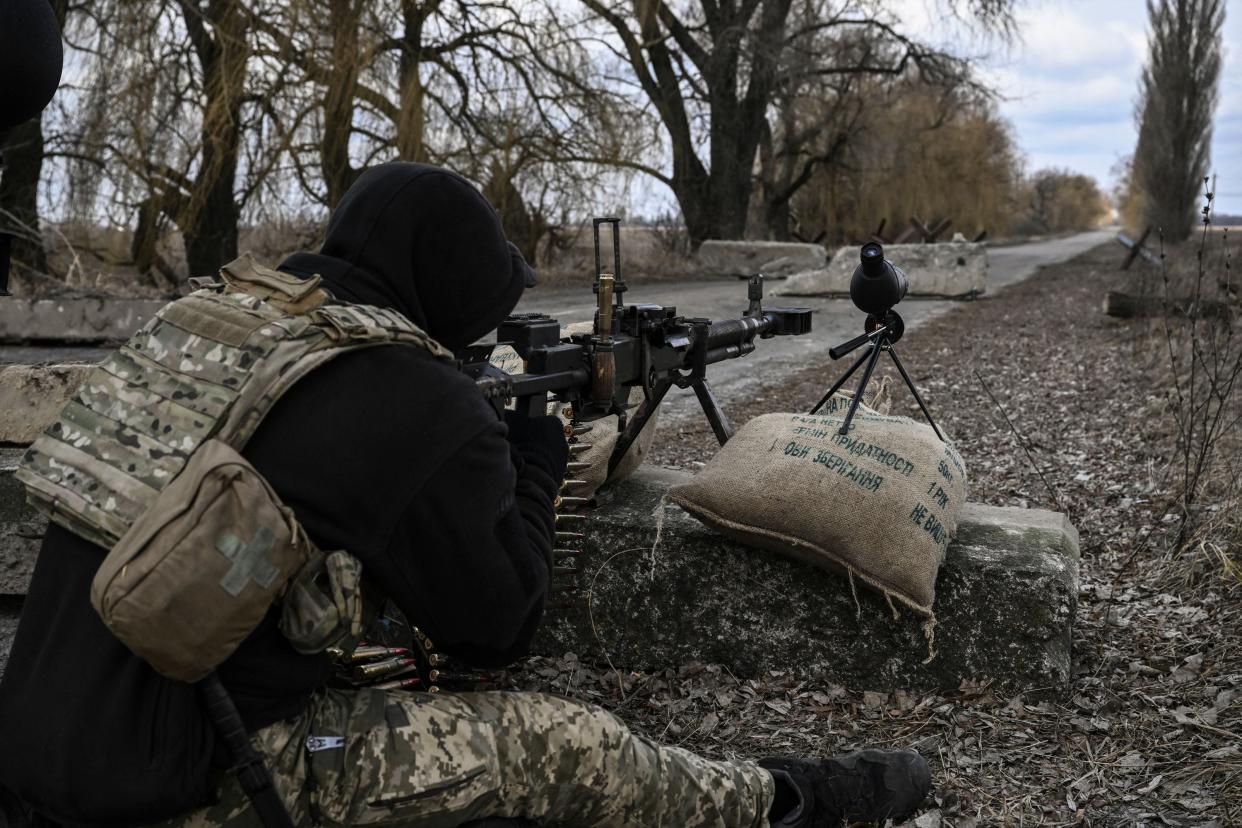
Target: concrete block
(950,269)
(32,395)
(21,532)
(1006,599)
(74,320)
(21,529)
(767,257)
(10,611)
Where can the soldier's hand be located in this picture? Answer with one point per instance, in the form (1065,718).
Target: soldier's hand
(543,437)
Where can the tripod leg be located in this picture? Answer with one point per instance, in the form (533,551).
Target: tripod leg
(844,378)
(879,346)
(918,398)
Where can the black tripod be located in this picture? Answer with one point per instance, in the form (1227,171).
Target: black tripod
(881,334)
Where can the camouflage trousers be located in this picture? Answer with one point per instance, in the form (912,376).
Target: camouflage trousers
(396,758)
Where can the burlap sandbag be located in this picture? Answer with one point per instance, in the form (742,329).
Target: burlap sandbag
(881,503)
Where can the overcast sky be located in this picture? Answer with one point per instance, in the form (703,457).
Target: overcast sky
(1071,80)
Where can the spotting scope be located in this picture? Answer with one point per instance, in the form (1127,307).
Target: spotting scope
(877,284)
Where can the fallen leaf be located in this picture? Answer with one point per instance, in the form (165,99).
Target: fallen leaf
(875,701)
(1189,669)
(1226,752)
(1197,804)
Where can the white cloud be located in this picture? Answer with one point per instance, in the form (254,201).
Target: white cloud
(1071,82)
(1060,38)
(1087,97)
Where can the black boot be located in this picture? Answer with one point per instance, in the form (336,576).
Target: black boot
(869,785)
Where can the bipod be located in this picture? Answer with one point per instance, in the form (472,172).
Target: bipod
(880,334)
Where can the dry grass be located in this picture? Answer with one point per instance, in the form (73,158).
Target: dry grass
(1203,380)
(94,260)
(89,260)
(649,254)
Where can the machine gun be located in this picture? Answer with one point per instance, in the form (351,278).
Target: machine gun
(634,346)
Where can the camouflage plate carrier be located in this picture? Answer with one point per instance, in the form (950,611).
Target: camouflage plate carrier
(185,393)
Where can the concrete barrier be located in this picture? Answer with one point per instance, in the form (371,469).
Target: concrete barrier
(21,530)
(1006,599)
(32,395)
(951,269)
(769,258)
(74,320)
(9,613)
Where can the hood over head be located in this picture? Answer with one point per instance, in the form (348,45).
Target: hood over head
(423,241)
(31,56)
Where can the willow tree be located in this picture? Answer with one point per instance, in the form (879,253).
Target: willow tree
(171,102)
(501,92)
(836,71)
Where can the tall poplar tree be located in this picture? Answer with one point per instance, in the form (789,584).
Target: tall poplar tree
(1178,95)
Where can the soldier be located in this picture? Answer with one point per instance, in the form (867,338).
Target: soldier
(392,455)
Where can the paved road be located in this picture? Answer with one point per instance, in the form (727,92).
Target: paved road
(835,320)
(33,354)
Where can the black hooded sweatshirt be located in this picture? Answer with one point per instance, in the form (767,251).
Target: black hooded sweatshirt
(385,452)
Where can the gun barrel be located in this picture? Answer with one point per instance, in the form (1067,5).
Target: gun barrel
(732,338)
(728,352)
(734,332)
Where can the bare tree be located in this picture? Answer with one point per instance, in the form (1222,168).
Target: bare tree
(161,126)
(821,108)
(207,210)
(1178,94)
(503,94)
(538,113)
(716,66)
(1059,200)
(725,55)
(208,116)
(176,126)
(340,87)
(394,79)
(917,150)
